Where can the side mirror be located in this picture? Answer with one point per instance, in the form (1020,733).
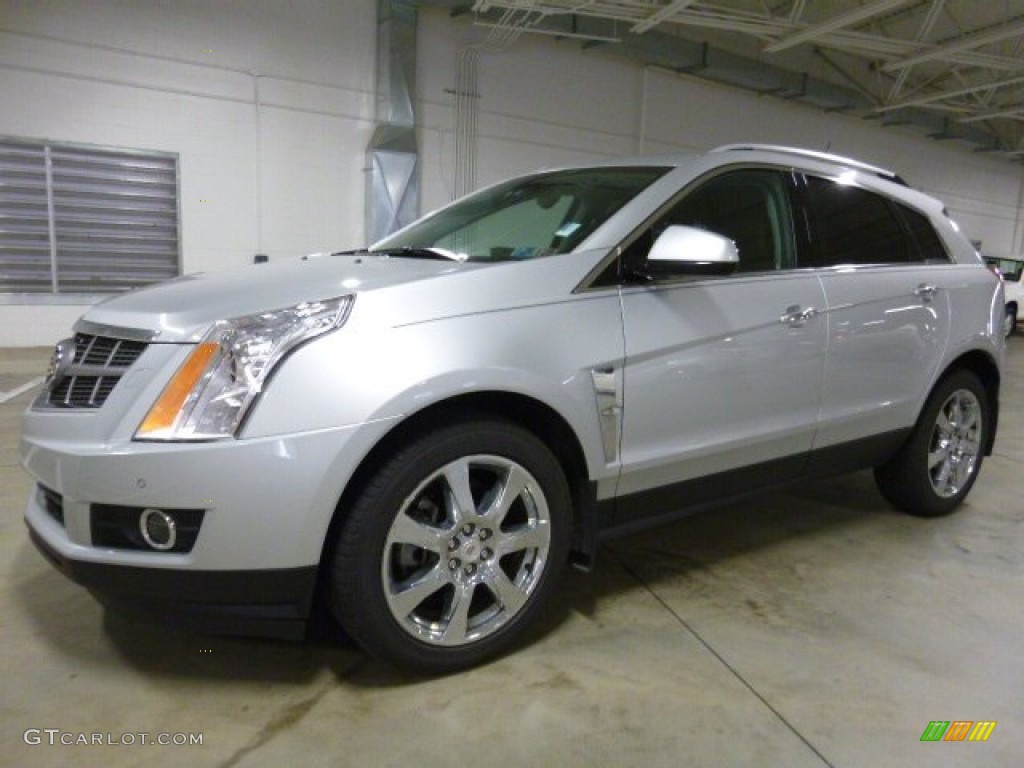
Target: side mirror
(681,251)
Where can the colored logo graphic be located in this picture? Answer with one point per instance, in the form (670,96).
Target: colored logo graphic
(958,730)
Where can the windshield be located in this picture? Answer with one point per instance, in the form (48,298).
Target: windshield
(525,218)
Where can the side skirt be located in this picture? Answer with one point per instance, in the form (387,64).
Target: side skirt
(616,517)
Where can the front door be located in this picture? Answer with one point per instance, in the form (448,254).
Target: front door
(722,375)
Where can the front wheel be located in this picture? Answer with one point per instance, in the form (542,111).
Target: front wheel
(453,548)
(1010,321)
(935,469)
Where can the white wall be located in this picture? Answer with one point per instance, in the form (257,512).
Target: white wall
(285,176)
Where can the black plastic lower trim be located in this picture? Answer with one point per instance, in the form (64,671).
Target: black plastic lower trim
(272,603)
(659,506)
(857,454)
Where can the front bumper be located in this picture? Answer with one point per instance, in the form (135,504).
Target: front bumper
(273,603)
(266,507)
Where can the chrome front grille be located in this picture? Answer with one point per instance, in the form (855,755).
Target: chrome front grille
(97,365)
(105,351)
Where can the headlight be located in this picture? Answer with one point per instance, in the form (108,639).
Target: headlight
(216,385)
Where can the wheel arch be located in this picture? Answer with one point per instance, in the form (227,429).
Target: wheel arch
(985,368)
(526,412)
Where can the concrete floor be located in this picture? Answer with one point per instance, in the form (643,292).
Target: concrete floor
(813,627)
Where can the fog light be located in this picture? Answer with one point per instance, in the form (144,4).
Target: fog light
(158,529)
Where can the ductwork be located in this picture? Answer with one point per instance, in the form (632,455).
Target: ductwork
(392,189)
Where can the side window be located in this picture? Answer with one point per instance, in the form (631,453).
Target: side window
(750,207)
(928,243)
(850,225)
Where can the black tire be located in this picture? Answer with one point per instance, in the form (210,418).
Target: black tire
(423,584)
(935,469)
(1010,321)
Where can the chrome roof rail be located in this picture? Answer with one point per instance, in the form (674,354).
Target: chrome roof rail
(823,156)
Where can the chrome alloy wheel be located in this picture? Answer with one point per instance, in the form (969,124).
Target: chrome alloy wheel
(466,550)
(955,444)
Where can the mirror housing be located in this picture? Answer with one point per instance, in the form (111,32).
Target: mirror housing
(681,251)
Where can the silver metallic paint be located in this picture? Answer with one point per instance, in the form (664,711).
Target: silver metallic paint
(709,378)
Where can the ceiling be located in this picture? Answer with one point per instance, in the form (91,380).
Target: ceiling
(954,68)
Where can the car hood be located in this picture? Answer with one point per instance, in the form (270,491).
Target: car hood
(183,309)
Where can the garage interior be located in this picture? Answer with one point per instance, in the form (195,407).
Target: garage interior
(814,626)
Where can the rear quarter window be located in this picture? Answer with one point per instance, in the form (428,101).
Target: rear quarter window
(928,244)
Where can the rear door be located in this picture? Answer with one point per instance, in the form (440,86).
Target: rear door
(887,281)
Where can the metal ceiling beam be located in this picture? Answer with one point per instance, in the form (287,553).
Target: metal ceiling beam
(568,34)
(636,12)
(608,20)
(923,31)
(918,101)
(961,44)
(836,22)
(843,73)
(852,42)
(665,13)
(796,11)
(1015,112)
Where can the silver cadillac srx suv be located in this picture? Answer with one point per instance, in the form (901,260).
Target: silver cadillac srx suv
(419,436)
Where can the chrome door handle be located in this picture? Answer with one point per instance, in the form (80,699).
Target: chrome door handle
(796,317)
(925,292)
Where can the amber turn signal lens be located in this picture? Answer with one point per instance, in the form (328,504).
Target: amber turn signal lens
(167,407)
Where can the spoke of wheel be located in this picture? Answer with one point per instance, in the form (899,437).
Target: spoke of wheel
(405,530)
(458,497)
(969,420)
(533,536)
(405,597)
(943,423)
(457,615)
(942,481)
(959,415)
(960,474)
(940,454)
(508,595)
(511,486)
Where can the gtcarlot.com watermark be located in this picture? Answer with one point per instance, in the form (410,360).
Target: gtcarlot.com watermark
(56,737)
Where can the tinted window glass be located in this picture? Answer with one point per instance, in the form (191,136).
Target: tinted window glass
(929,245)
(750,208)
(850,225)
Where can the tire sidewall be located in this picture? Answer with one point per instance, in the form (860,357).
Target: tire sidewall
(930,503)
(358,593)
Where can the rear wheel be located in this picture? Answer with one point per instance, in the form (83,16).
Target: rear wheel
(935,469)
(453,548)
(1010,320)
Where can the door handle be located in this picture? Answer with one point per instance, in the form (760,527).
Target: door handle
(925,292)
(796,317)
